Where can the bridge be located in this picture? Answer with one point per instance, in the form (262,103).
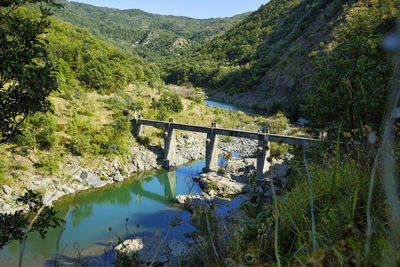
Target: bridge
(263,150)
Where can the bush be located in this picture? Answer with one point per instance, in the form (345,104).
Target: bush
(244,118)
(279,149)
(85,138)
(212,185)
(278,123)
(49,162)
(143,140)
(38,131)
(82,134)
(228,139)
(197,96)
(170,101)
(162,114)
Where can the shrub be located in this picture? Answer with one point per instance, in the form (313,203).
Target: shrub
(212,185)
(162,114)
(197,96)
(143,140)
(262,122)
(80,144)
(49,162)
(228,139)
(38,131)
(244,118)
(279,149)
(170,101)
(278,123)
(82,133)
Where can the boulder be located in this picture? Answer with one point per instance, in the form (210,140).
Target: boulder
(222,185)
(146,249)
(118,177)
(192,202)
(7,190)
(92,180)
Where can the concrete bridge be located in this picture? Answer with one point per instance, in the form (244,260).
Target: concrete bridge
(263,150)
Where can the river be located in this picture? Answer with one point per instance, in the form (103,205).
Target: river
(234,108)
(140,206)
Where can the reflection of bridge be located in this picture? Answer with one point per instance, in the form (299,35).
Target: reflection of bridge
(263,151)
(168,182)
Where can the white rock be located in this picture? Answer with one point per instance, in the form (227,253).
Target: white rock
(7,190)
(146,249)
(118,177)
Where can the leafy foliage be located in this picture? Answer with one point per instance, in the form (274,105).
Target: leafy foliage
(27,76)
(38,131)
(169,101)
(15,226)
(352,80)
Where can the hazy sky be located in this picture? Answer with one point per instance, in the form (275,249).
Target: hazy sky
(189,8)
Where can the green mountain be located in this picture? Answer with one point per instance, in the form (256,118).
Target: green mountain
(151,36)
(270,53)
(84,61)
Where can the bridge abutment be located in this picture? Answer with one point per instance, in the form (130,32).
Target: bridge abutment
(136,128)
(211,152)
(169,146)
(263,153)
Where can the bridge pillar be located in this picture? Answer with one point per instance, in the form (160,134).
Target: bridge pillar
(211,152)
(169,146)
(263,153)
(136,128)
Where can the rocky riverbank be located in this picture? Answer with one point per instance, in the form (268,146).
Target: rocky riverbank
(220,191)
(77,177)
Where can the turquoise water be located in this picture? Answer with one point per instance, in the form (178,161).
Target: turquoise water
(140,206)
(234,108)
(146,200)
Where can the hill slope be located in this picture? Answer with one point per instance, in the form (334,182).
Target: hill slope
(129,30)
(269,53)
(83,59)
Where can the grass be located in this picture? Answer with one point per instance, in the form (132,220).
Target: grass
(340,223)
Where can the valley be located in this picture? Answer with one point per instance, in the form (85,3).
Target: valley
(77,186)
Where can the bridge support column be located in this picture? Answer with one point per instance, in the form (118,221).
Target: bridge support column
(169,146)
(263,153)
(211,152)
(136,128)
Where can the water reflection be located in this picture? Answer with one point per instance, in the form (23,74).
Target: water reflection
(146,200)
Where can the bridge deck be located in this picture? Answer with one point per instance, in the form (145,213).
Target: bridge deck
(228,132)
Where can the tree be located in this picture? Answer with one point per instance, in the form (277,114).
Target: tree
(351,81)
(27,76)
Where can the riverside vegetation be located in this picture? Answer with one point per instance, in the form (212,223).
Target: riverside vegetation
(338,203)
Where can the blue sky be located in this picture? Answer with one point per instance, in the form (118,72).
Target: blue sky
(189,8)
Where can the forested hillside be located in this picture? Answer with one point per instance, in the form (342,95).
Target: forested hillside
(67,100)
(81,57)
(271,52)
(151,36)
